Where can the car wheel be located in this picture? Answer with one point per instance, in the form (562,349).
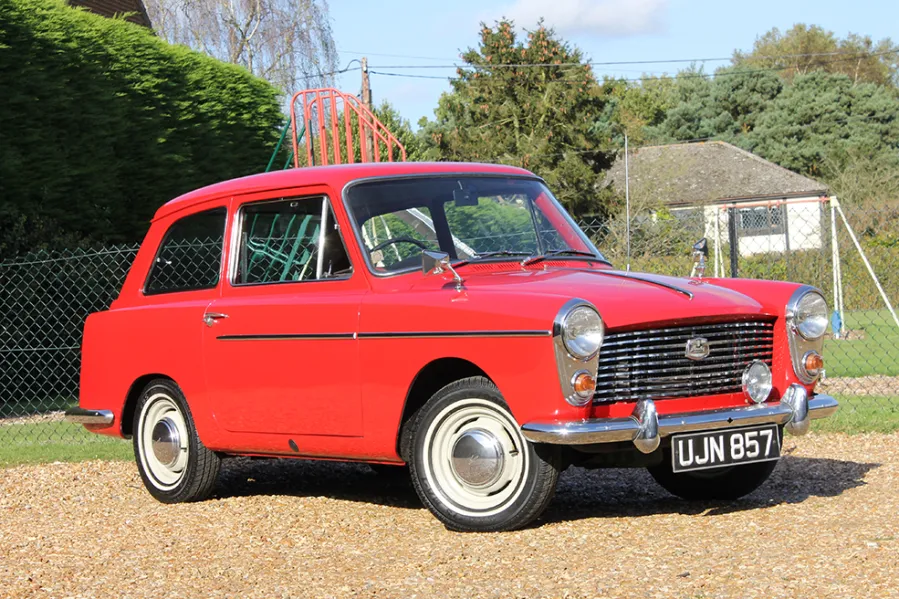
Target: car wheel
(472,467)
(729,482)
(173,463)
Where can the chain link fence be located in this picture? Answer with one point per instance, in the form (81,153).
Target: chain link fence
(45,298)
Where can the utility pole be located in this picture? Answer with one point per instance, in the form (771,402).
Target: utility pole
(368,150)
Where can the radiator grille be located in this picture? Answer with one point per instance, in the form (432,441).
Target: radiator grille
(652,364)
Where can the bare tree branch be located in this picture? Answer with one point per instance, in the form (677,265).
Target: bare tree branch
(288,42)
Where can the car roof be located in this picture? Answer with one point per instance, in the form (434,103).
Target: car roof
(335,175)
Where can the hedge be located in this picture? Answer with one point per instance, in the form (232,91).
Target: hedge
(101,122)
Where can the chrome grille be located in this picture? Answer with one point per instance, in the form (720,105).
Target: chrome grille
(652,364)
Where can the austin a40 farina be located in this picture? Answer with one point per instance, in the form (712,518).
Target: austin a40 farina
(448,317)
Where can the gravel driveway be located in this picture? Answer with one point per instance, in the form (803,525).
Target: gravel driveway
(825,525)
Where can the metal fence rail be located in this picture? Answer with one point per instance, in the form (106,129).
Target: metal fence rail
(45,298)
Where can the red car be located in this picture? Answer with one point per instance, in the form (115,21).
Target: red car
(448,317)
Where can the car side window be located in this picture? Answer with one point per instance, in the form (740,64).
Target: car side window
(190,255)
(288,240)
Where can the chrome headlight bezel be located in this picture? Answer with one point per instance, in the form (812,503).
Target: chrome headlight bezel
(799,343)
(571,360)
(809,315)
(583,344)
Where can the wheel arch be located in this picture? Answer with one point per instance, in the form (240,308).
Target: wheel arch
(133,395)
(432,377)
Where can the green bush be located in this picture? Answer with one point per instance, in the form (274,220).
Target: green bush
(102,122)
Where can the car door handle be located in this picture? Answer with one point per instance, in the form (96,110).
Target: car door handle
(210,318)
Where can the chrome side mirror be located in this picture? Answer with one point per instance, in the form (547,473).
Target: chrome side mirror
(700,255)
(437,263)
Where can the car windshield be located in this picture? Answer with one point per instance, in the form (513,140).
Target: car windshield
(469,218)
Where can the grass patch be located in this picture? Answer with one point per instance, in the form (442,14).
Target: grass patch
(876,353)
(862,414)
(57,442)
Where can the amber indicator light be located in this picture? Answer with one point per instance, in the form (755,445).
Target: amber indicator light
(813,362)
(584,384)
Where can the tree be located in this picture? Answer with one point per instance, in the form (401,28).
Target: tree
(147,121)
(287,42)
(822,119)
(807,48)
(540,118)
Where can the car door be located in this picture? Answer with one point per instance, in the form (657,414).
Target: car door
(280,347)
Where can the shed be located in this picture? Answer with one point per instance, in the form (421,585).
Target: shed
(754,204)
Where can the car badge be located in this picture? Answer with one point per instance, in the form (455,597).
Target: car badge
(697,348)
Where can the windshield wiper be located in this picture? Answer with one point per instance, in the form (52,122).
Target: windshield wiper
(499,253)
(551,253)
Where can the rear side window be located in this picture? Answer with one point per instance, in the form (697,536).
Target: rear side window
(190,256)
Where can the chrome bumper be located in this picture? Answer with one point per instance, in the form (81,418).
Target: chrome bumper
(82,416)
(645,427)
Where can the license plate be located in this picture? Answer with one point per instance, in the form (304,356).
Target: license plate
(714,449)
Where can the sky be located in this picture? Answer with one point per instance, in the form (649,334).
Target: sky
(427,33)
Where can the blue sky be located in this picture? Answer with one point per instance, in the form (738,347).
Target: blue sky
(606,30)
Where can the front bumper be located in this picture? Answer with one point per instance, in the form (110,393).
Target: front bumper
(645,427)
(82,416)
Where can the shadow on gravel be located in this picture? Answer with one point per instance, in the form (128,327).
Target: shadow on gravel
(614,493)
(304,478)
(581,493)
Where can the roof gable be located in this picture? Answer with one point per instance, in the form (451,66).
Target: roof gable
(704,173)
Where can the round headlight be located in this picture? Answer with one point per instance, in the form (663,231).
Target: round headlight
(757,381)
(582,332)
(810,318)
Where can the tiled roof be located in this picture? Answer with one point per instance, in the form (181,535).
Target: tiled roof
(703,173)
(111,8)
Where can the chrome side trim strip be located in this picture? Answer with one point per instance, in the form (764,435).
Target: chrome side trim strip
(307,337)
(430,334)
(384,335)
(610,430)
(82,416)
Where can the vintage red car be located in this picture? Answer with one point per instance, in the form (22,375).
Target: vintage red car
(451,317)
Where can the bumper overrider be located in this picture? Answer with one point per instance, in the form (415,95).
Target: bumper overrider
(645,428)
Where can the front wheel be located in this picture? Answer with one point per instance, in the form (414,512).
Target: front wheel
(173,463)
(472,467)
(727,483)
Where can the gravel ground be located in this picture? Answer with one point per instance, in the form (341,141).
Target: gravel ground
(825,525)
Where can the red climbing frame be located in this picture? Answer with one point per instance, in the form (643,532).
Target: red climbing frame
(321,113)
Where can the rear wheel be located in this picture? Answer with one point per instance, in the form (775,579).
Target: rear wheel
(471,465)
(173,463)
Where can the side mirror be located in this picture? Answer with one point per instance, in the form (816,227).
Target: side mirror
(437,263)
(434,262)
(700,255)
(701,247)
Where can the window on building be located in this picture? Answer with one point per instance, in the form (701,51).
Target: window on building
(762,220)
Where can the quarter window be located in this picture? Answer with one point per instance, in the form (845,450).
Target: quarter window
(190,256)
(290,240)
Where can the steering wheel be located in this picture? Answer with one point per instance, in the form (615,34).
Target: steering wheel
(387,242)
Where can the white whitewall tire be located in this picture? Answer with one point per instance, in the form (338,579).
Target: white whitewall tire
(471,465)
(173,463)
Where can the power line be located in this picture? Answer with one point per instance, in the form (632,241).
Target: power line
(637,79)
(853,54)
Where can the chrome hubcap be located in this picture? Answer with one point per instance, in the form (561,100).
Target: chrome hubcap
(477,458)
(166,442)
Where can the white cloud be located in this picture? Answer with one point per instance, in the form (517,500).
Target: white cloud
(599,17)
